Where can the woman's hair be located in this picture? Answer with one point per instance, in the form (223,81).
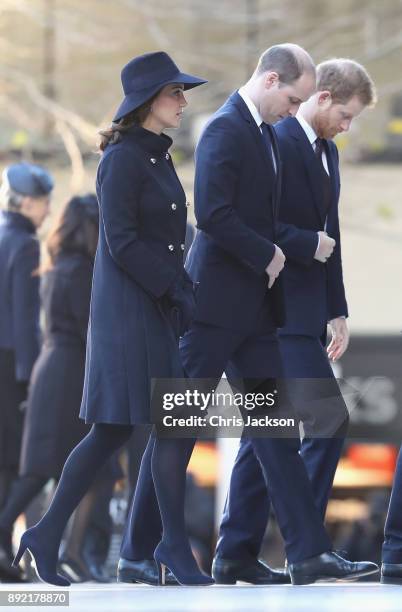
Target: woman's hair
(76,230)
(113,134)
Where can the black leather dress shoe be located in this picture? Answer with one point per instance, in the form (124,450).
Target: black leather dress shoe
(229,571)
(144,572)
(329,567)
(391,573)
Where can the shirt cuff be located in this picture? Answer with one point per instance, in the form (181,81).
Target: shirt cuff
(318,244)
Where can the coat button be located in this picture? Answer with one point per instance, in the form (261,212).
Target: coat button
(167,156)
(153,160)
(187,204)
(173,206)
(171,247)
(182,247)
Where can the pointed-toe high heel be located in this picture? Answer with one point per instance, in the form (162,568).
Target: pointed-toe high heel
(30,542)
(164,560)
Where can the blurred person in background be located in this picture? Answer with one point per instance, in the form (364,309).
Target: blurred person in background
(141,302)
(25,198)
(314,298)
(391,567)
(52,427)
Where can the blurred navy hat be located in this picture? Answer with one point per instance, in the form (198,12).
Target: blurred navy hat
(145,75)
(28,179)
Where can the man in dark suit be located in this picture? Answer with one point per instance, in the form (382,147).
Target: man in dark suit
(235,261)
(314,297)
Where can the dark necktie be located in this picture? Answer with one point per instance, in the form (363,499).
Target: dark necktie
(319,149)
(268,140)
(326,181)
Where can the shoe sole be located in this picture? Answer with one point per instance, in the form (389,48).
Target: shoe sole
(313,579)
(122,576)
(232,581)
(225,580)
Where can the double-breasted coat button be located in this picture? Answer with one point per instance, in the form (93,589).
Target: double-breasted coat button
(171,247)
(173,206)
(153,160)
(182,247)
(167,156)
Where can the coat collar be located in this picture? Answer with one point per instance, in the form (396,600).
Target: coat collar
(254,112)
(15,219)
(240,104)
(154,144)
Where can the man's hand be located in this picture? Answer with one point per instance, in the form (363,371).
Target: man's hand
(325,247)
(340,338)
(275,266)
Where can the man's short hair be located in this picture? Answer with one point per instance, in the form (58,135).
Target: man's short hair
(288,60)
(344,79)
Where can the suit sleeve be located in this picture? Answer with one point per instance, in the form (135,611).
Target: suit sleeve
(26,307)
(218,165)
(120,186)
(297,244)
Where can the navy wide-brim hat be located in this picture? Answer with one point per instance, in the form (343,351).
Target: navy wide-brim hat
(145,75)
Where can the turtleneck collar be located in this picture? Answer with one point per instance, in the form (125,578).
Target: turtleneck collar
(152,143)
(17,220)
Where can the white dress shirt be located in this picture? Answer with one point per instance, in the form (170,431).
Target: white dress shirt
(312,137)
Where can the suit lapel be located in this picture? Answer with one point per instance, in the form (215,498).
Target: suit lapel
(310,164)
(256,132)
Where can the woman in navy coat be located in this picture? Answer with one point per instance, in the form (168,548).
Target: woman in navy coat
(141,302)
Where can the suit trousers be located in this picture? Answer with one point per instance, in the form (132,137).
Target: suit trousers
(318,403)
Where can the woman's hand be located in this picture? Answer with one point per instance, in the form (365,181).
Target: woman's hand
(181,298)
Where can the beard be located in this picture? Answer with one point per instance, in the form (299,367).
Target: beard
(323,128)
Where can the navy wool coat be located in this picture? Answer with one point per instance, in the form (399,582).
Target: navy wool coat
(140,254)
(19,292)
(19,326)
(52,427)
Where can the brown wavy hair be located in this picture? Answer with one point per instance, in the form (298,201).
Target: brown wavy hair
(115,131)
(76,230)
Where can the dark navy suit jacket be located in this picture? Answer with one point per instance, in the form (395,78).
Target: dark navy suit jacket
(314,292)
(236,201)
